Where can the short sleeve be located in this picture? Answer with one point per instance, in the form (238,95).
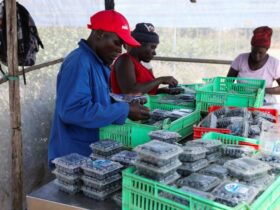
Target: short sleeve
(277,70)
(236,63)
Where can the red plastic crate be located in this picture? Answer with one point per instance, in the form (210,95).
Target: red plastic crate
(198,131)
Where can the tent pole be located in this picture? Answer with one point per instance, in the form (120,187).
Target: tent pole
(14,101)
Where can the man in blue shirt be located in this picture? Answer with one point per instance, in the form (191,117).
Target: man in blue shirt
(83,104)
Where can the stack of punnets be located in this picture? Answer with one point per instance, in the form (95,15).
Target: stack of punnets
(105,149)
(68,172)
(101,178)
(158,160)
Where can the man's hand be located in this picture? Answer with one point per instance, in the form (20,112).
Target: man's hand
(138,112)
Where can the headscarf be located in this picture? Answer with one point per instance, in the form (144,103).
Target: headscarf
(262,37)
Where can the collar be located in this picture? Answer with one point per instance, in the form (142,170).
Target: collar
(83,44)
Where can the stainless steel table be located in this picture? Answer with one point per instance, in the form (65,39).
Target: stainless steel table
(49,197)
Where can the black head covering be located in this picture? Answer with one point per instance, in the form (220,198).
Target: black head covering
(145,32)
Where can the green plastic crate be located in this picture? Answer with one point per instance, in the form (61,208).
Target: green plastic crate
(132,134)
(230,91)
(155,100)
(231,139)
(140,193)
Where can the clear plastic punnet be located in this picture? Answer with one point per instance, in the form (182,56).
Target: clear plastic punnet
(165,136)
(70,189)
(258,114)
(159,164)
(67,178)
(273,161)
(169,178)
(270,141)
(101,169)
(96,184)
(159,114)
(117,197)
(174,198)
(128,98)
(106,147)
(215,170)
(125,157)
(190,167)
(198,192)
(210,145)
(223,160)
(99,195)
(94,156)
(158,152)
(262,183)
(70,163)
(237,151)
(233,193)
(213,157)
(247,168)
(192,153)
(155,172)
(199,181)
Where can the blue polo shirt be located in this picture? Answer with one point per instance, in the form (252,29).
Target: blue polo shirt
(83,104)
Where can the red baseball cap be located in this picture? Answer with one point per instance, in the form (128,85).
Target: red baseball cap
(112,21)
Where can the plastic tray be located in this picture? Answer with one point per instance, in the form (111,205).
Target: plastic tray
(199,181)
(70,189)
(91,193)
(156,173)
(192,153)
(101,169)
(233,193)
(190,167)
(213,157)
(211,146)
(230,91)
(70,163)
(125,157)
(158,152)
(215,170)
(166,136)
(132,133)
(247,168)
